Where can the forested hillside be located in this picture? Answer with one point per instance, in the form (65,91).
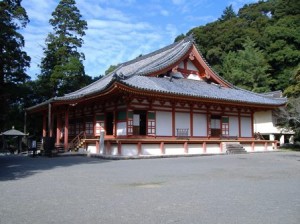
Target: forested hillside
(257,48)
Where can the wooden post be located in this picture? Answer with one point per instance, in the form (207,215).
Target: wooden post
(162,148)
(186,148)
(58,129)
(66,132)
(44,125)
(49,121)
(139,148)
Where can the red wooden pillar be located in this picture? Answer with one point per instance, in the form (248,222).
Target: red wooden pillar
(66,132)
(239,120)
(49,120)
(186,148)
(139,148)
(97,147)
(119,148)
(173,120)
(252,124)
(58,128)
(162,148)
(44,125)
(191,121)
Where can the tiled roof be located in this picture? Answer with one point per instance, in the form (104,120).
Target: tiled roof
(196,88)
(142,65)
(134,74)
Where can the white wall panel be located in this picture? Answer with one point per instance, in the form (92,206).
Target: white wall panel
(200,125)
(163,123)
(233,126)
(182,120)
(174,149)
(246,127)
(129,150)
(151,149)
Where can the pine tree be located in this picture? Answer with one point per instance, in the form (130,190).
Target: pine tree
(13,60)
(248,68)
(228,13)
(62,69)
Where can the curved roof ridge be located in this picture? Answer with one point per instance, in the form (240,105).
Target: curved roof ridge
(211,68)
(152,53)
(166,61)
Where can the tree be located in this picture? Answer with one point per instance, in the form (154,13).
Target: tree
(248,68)
(289,116)
(13,60)
(228,13)
(294,89)
(62,69)
(110,69)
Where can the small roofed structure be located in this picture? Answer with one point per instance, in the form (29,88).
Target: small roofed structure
(13,133)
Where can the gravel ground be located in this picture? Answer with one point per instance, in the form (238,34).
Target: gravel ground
(250,188)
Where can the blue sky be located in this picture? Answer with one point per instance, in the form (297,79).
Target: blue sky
(120,30)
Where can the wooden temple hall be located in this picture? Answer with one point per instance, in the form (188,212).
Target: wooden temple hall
(167,102)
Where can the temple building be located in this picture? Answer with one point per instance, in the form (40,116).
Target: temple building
(167,102)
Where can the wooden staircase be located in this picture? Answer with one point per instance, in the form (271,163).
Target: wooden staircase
(234,148)
(77,142)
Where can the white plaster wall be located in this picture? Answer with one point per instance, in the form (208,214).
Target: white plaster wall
(91,148)
(163,123)
(200,125)
(213,148)
(259,147)
(195,148)
(248,147)
(181,65)
(174,149)
(233,126)
(114,149)
(191,66)
(129,150)
(270,147)
(121,128)
(246,127)
(263,122)
(150,149)
(182,120)
(193,77)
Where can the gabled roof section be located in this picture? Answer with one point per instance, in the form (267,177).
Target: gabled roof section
(143,65)
(151,63)
(141,73)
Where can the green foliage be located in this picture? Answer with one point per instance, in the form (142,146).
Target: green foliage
(110,69)
(179,37)
(228,14)
(13,60)
(294,89)
(289,117)
(274,27)
(62,70)
(248,68)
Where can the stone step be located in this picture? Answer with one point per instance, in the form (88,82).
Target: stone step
(234,148)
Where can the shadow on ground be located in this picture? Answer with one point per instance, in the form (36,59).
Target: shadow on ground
(15,167)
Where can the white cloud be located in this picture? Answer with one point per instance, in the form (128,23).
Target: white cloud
(119,30)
